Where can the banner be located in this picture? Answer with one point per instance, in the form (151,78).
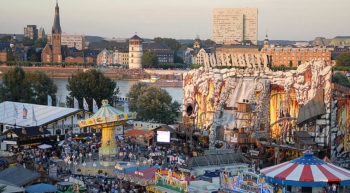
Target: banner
(49,100)
(58,101)
(85,104)
(94,106)
(76,103)
(25,112)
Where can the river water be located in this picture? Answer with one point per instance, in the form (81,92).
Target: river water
(124,86)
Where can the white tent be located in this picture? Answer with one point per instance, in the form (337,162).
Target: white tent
(44,146)
(11,113)
(10,188)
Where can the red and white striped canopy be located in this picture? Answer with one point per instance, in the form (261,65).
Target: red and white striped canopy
(307,171)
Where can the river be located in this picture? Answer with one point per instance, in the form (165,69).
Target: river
(124,86)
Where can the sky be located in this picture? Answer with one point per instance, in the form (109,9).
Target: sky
(180,19)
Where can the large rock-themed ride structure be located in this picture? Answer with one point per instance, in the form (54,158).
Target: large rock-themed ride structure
(249,102)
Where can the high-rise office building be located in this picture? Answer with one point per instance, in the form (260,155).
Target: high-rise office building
(31,32)
(235,24)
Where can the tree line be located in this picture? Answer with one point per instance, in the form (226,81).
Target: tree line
(151,103)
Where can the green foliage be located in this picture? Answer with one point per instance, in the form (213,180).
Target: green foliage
(40,43)
(10,55)
(91,84)
(149,59)
(171,43)
(178,59)
(40,86)
(33,56)
(27,41)
(6,38)
(153,104)
(2,189)
(32,87)
(208,43)
(341,79)
(171,65)
(343,59)
(290,63)
(195,66)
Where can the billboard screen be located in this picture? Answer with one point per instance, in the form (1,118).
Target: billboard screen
(163,136)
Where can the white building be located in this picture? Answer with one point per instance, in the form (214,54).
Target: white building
(71,41)
(135,52)
(235,24)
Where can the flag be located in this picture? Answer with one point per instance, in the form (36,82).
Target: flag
(126,107)
(34,118)
(25,112)
(86,106)
(16,111)
(76,103)
(58,101)
(49,100)
(94,106)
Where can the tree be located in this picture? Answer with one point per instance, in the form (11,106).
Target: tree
(40,86)
(14,88)
(153,104)
(171,43)
(178,59)
(6,38)
(27,41)
(10,55)
(343,59)
(91,84)
(149,59)
(32,87)
(341,79)
(208,43)
(2,189)
(32,55)
(40,43)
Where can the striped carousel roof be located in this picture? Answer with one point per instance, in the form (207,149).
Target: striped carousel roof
(307,171)
(106,110)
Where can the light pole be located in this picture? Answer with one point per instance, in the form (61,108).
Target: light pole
(90,154)
(81,157)
(137,165)
(94,165)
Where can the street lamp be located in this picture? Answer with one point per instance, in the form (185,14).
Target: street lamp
(137,165)
(94,165)
(90,154)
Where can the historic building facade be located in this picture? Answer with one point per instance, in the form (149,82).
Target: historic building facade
(135,52)
(289,56)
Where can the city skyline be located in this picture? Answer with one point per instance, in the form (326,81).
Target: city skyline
(177,19)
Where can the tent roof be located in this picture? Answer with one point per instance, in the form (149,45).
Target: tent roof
(166,127)
(39,188)
(10,187)
(137,132)
(106,110)
(146,173)
(18,175)
(306,171)
(43,114)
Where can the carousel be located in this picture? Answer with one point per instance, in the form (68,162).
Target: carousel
(307,174)
(106,119)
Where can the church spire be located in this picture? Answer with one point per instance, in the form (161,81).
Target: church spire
(56,28)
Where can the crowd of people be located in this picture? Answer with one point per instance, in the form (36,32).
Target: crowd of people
(65,155)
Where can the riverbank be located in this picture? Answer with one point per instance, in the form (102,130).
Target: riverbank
(113,73)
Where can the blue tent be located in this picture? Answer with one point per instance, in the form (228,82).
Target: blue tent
(40,188)
(119,137)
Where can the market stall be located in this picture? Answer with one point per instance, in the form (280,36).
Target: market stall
(307,173)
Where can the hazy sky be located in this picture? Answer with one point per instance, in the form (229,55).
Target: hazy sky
(281,19)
